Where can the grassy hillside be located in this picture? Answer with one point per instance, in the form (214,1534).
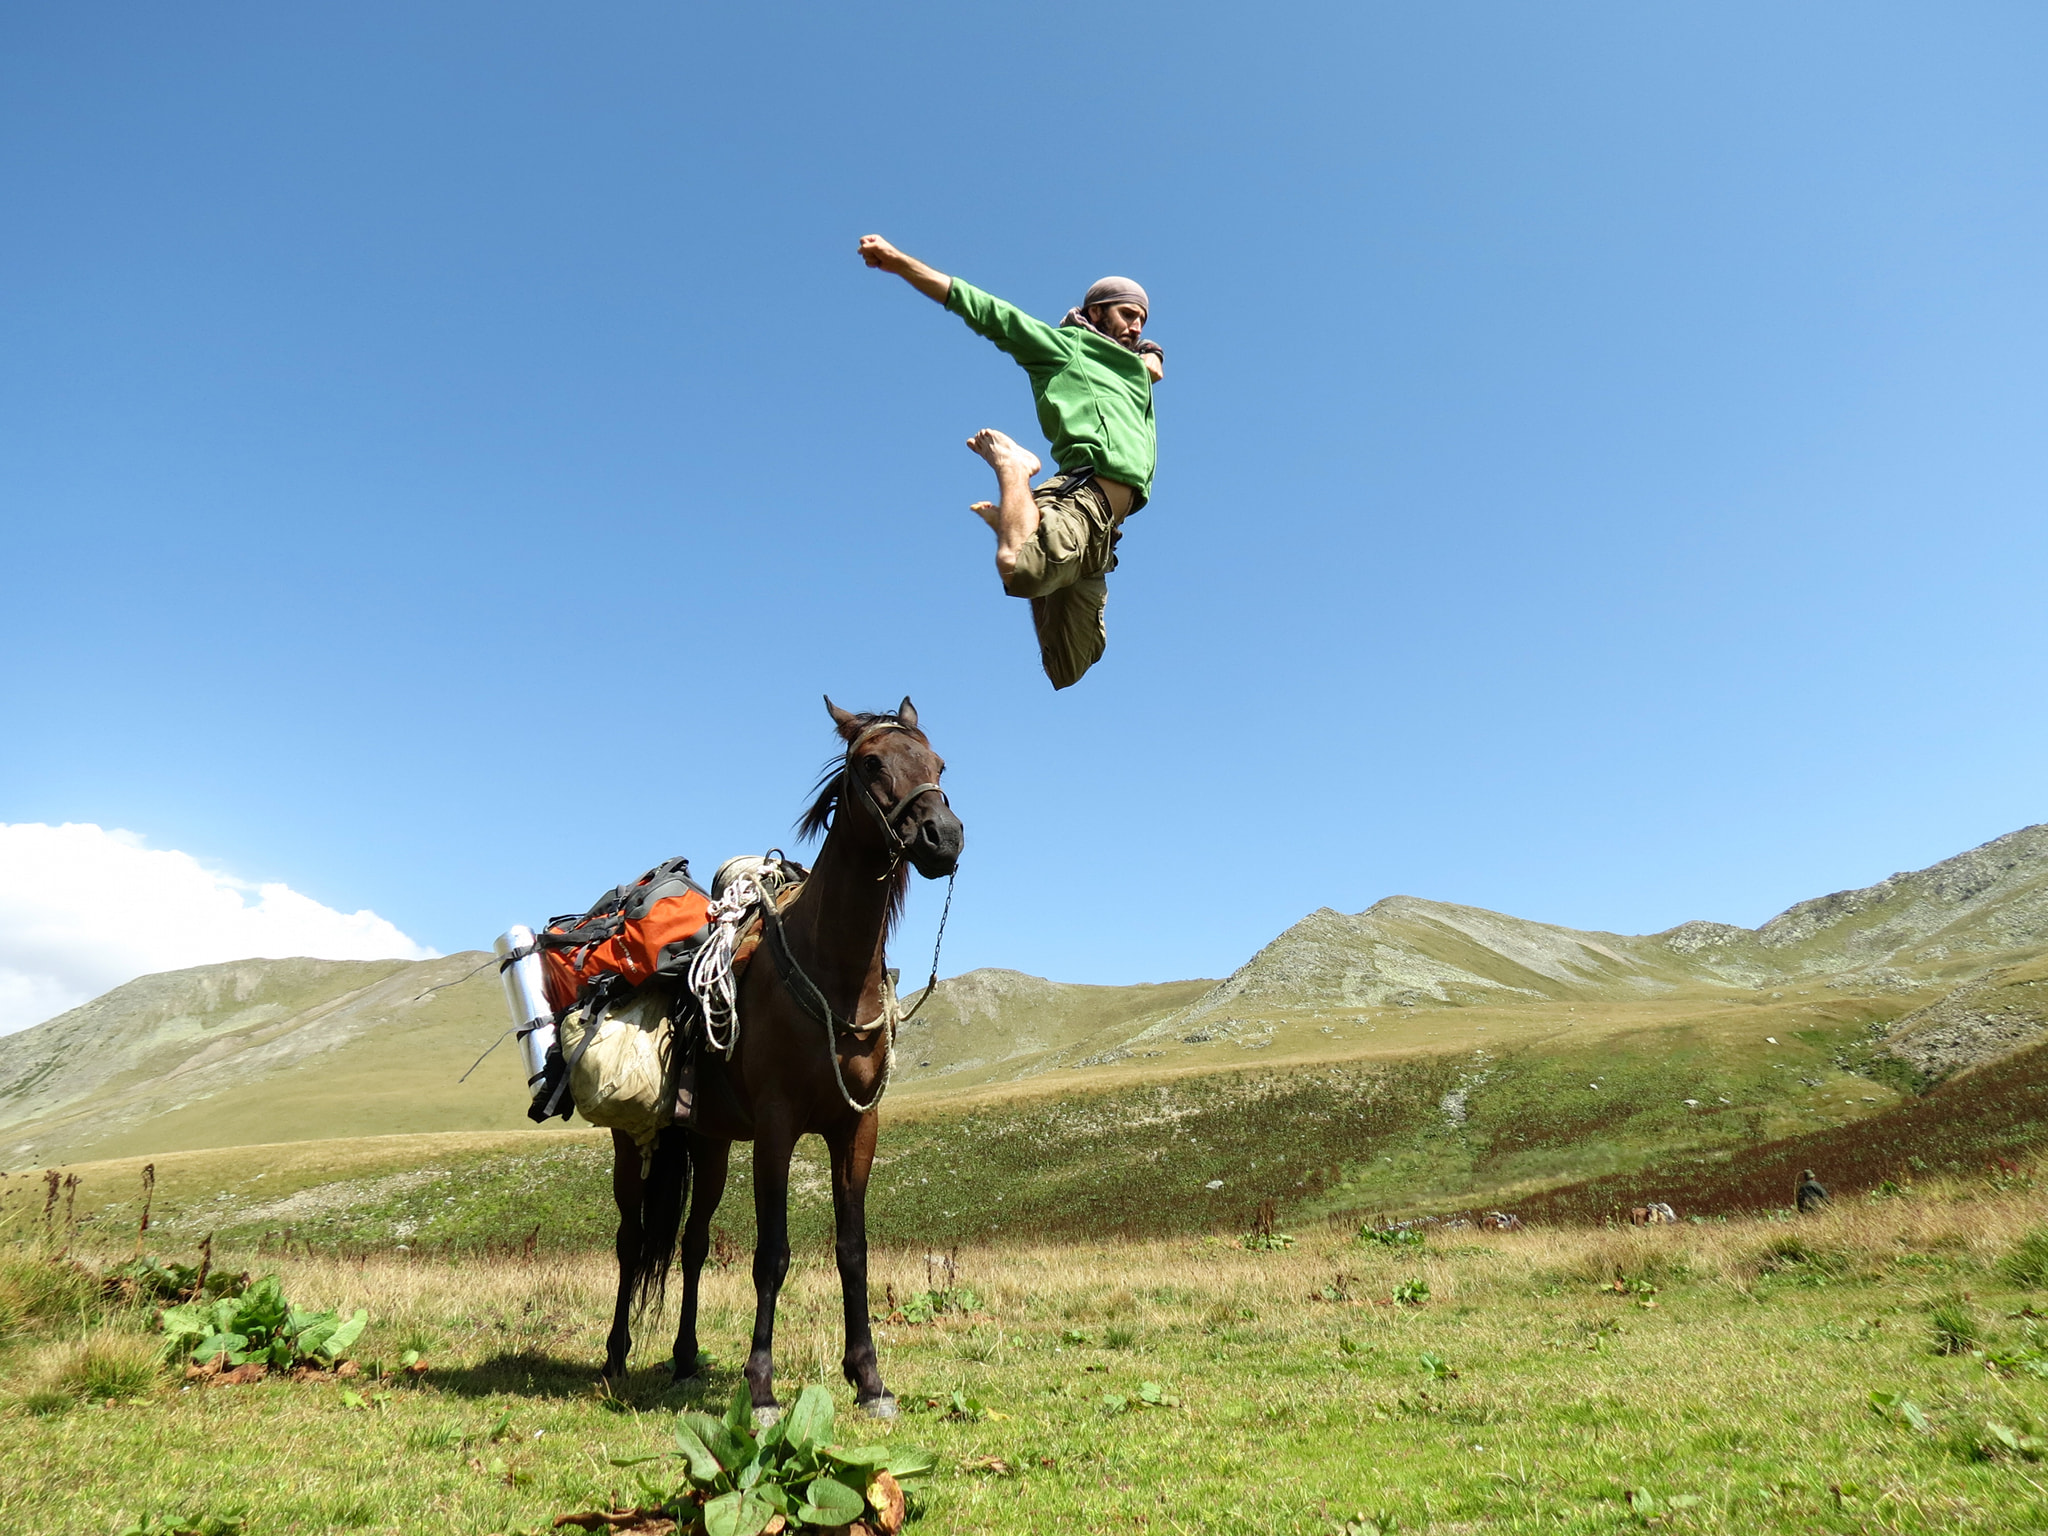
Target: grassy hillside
(1981,1121)
(1431,1124)
(258,1051)
(994,1026)
(1415,1057)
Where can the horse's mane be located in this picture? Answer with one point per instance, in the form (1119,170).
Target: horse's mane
(817,821)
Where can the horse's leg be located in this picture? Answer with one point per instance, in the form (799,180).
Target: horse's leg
(711,1158)
(626,1194)
(774,1140)
(853,1153)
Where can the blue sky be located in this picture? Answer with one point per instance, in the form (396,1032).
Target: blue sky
(448,450)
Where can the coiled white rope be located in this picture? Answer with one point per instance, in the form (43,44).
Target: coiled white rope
(711,979)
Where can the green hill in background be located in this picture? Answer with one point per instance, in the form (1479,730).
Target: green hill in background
(1416,1055)
(259,1051)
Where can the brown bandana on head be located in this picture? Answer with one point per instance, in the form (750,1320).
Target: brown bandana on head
(1113,290)
(1116,290)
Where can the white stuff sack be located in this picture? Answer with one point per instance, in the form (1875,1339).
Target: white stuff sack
(624,1080)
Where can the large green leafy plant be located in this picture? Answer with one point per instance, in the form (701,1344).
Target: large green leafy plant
(259,1327)
(737,1483)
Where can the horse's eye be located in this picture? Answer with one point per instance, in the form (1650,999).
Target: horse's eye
(871,766)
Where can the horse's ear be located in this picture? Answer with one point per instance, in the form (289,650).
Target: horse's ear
(907,712)
(840,718)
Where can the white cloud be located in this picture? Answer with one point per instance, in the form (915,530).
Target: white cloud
(83,909)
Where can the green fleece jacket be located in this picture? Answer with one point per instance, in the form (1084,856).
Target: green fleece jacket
(1094,397)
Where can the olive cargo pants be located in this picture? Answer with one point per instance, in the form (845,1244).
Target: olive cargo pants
(1061,570)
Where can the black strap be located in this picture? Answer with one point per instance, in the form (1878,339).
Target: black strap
(809,996)
(589,931)
(600,1006)
(814,1002)
(514,956)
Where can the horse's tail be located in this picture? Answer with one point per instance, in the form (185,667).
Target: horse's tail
(663,1194)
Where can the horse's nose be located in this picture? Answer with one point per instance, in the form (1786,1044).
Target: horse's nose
(942,836)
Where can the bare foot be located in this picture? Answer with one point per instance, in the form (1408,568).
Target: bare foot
(1004,452)
(1014,517)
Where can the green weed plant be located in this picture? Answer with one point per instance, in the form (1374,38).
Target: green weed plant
(1389,1237)
(259,1327)
(737,1482)
(926,1306)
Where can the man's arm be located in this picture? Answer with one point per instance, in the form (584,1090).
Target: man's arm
(929,281)
(1031,342)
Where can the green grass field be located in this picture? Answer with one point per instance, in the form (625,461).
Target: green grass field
(1714,1376)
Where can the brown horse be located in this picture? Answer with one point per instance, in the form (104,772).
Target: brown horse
(881,809)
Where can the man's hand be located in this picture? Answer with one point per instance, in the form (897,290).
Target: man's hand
(1155,365)
(929,281)
(877,252)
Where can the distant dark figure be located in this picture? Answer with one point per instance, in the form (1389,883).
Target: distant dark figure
(1812,1194)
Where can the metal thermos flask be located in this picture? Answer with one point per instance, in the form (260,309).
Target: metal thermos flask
(528,997)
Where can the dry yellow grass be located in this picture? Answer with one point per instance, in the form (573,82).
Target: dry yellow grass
(1464,1264)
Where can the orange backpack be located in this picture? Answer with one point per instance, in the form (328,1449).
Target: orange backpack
(649,928)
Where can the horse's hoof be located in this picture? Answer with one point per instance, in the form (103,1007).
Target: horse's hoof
(883,1407)
(765,1417)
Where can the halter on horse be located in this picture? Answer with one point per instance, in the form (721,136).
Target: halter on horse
(887,819)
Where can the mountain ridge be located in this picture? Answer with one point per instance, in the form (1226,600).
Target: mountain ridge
(1405,950)
(277,1050)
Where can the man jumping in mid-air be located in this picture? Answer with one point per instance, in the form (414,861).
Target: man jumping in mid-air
(1092,376)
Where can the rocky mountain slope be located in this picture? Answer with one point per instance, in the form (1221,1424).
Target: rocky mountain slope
(1931,927)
